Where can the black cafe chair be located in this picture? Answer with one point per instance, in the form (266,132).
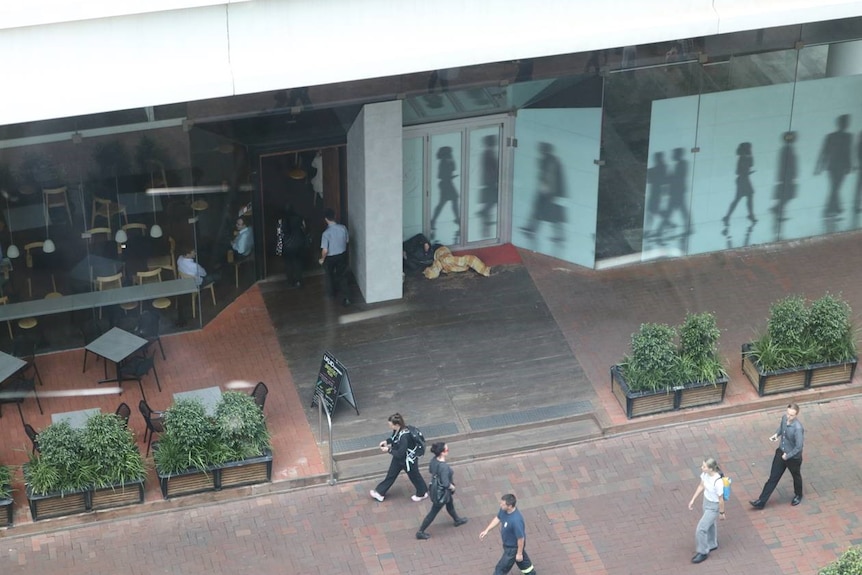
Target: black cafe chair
(259,394)
(136,368)
(123,412)
(154,421)
(34,437)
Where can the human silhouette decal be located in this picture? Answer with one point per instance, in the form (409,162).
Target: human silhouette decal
(744,189)
(857,197)
(785,188)
(490,191)
(834,158)
(448,193)
(656,191)
(550,187)
(677,192)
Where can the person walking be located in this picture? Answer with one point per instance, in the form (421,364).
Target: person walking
(333,256)
(514,537)
(788,455)
(292,238)
(712,487)
(400,446)
(443,472)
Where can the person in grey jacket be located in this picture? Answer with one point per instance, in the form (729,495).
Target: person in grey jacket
(440,468)
(788,455)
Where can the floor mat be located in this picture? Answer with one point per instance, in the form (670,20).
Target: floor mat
(495,255)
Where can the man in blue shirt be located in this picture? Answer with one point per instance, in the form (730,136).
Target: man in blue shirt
(514,537)
(333,256)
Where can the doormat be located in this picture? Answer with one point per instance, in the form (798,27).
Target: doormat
(504,254)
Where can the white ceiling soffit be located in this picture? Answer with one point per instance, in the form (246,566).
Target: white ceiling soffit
(22,13)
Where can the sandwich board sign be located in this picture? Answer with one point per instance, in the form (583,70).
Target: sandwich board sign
(333,383)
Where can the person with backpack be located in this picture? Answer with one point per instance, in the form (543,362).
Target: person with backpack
(405,445)
(441,490)
(712,486)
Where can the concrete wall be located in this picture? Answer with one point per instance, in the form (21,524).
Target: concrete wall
(186,50)
(374,179)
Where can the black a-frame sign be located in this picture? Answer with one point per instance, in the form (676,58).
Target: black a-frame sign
(332,384)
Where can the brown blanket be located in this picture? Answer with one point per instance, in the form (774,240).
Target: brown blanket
(445,262)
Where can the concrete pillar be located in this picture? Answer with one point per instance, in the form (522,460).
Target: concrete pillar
(844,59)
(374,181)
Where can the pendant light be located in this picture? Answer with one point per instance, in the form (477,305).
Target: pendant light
(120,237)
(48,247)
(297,173)
(12,251)
(155,229)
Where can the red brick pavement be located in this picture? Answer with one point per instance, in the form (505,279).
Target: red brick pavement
(612,506)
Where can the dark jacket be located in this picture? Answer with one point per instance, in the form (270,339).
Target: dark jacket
(399,443)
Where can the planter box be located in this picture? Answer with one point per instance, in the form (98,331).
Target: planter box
(638,403)
(117,495)
(248,472)
(187,482)
(6,512)
(795,378)
(232,474)
(57,504)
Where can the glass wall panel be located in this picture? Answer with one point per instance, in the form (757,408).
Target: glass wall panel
(484,183)
(445,170)
(413,174)
(555,182)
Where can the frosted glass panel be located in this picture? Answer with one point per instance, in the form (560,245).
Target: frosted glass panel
(484,184)
(413,174)
(445,190)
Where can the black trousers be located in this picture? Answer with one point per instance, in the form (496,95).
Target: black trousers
(396,467)
(435,509)
(336,274)
(507,561)
(292,266)
(778,467)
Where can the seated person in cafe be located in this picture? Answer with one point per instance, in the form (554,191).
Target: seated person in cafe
(187,264)
(418,253)
(243,240)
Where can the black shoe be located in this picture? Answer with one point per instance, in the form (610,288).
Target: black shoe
(422,535)
(345,302)
(699,558)
(757,504)
(460,521)
(796,500)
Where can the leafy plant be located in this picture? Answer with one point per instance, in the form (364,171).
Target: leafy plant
(111,448)
(698,351)
(798,335)
(192,440)
(5,482)
(241,425)
(652,364)
(60,465)
(849,563)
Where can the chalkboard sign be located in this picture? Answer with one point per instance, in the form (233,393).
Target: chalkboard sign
(333,383)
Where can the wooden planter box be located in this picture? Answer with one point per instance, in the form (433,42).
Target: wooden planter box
(795,378)
(638,403)
(57,504)
(232,474)
(6,512)
(117,495)
(187,482)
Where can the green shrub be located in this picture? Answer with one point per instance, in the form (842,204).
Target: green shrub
(60,466)
(797,335)
(241,425)
(849,563)
(5,482)
(110,445)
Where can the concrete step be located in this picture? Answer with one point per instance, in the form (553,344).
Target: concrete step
(467,447)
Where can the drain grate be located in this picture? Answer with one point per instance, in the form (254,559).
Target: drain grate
(370,441)
(530,415)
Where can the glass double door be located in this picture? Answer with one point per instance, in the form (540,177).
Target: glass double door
(454,178)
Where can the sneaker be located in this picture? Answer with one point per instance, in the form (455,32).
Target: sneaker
(460,521)
(417,498)
(422,535)
(376,495)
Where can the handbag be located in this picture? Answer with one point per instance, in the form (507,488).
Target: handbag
(439,493)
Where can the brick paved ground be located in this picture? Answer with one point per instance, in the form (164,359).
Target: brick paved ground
(616,506)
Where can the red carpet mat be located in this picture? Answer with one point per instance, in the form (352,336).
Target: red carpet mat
(495,255)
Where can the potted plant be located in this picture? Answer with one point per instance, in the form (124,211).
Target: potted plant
(57,476)
(79,470)
(660,375)
(200,453)
(803,346)
(5,496)
(849,563)
(117,468)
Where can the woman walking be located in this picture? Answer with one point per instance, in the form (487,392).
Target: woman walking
(401,447)
(440,469)
(712,487)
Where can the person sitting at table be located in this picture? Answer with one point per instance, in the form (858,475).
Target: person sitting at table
(187,264)
(243,240)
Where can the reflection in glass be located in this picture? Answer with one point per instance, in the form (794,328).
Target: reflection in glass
(445,191)
(484,183)
(550,188)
